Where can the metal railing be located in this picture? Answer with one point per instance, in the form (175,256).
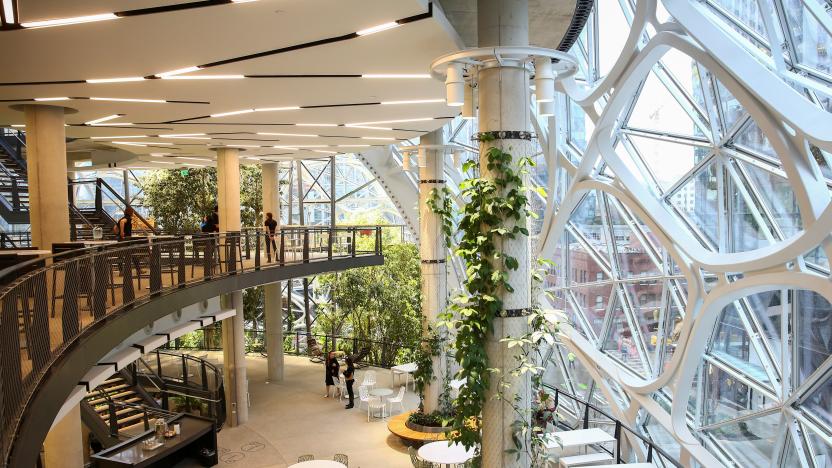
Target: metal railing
(47,303)
(575,413)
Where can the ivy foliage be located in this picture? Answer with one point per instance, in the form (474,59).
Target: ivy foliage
(495,211)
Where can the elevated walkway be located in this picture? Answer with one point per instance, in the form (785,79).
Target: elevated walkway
(67,312)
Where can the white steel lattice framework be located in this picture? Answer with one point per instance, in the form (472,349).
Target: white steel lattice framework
(689,216)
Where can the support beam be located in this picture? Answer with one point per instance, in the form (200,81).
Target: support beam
(233,335)
(433,253)
(46,161)
(301,219)
(504,105)
(273,303)
(332,198)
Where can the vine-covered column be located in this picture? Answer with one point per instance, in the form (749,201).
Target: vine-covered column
(504,124)
(432,252)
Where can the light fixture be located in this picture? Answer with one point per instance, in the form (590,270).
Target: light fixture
(325,152)
(269,109)
(315,125)
(422,157)
(457,158)
(469,107)
(406,161)
(113,124)
(179,71)
(116,80)
(65,21)
(155,101)
(202,77)
(103,119)
(244,146)
(396,75)
(120,136)
(225,114)
(546,108)
(46,99)
(134,143)
(544,79)
(285,147)
(8,11)
(379,28)
(286,134)
(242,1)
(18,126)
(368,127)
(455,85)
(182,135)
(378,138)
(363,124)
(414,101)
(313,146)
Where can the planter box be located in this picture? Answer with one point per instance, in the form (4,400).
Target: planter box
(427,429)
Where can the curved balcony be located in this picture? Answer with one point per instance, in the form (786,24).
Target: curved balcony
(62,313)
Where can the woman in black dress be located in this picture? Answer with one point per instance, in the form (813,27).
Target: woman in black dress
(349,375)
(331,368)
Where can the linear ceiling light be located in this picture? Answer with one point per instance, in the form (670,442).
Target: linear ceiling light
(113,124)
(225,114)
(287,134)
(325,152)
(413,101)
(285,147)
(315,125)
(157,101)
(368,127)
(357,124)
(179,71)
(202,77)
(119,136)
(353,146)
(396,75)
(116,80)
(269,109)
(188,136)
(103,119)
(8,11)
(134,143)
(65,21)
(379,28)
(44,99)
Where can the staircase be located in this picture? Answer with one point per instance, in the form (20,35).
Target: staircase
(14,184)
(118,409)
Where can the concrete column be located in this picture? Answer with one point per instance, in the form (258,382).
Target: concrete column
(233,335)
(64,446)
(46,163)
(273,303)
(433,253)
(504,105)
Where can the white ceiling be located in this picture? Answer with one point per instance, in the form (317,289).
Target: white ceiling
(156,43)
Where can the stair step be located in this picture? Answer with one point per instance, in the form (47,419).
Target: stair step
(102,409)
(130,419)
(119,413)
(116,397)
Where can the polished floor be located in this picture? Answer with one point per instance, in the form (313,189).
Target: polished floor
(291,418)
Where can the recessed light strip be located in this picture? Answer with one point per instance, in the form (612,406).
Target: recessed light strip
(103,119)
(9,16)
(67,21)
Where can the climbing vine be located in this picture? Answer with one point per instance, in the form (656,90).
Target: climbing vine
(423,376)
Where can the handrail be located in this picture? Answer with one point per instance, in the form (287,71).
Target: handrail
(619,427)
(42,304)
(100,186)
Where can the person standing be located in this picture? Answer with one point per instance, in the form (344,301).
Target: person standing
(349,379)
(215,218)
(328,366)
(271,226)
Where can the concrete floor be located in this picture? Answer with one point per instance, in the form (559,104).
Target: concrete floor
(291,418)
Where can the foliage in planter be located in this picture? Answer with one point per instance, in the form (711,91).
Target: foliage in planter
(434,419)
(423,376)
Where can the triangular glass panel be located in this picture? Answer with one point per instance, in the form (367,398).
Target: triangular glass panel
(621,342)
(672,327)
(747,13)
(633,256)
(732,344)
(575,319)
(580,126)
(667,161)
(730,107)
(767,308)
(778,195)
(698,201)
(646,298)
(752,139)
(810,38)
(820,447)
(580,378)
(744,221)
(588,219)
(686,77)
(817,257)
(659,435)
(814,329)
(593,299)
(726,397)
(750,442)
(613,29)
(657,109)
(819,402)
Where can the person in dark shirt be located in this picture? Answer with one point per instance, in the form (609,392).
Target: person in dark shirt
(349,376)
(207,224)
(125,224)
(271,226)
(330,365)
(215,219)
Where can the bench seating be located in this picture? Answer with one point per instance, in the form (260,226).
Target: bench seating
(585,460)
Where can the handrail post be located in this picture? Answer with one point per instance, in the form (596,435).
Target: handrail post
(113,420)
(257,250)
(586,416)
(617,441)
(378,240)
(306,245)
(282,247)
(98,198)
(248,245)
(330,243)
(352,244)
(184,369)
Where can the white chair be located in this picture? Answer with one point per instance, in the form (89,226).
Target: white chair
(363,395)
(374,404)
(397,399)
(369,379)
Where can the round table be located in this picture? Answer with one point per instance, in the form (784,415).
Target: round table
(318,464)
(442,453)
(381,393)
